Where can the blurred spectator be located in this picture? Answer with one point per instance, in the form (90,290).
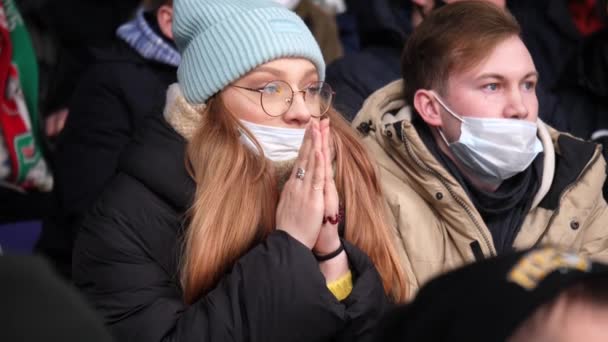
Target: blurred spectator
(38,306)
(537,295)
(78,26)
(383,27)
(322,24)
(588,71)
(126,83)
(586,78)
(553,30)
(24,174)
(559,34)
(347,30)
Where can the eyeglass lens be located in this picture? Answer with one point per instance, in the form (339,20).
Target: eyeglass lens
(277,97)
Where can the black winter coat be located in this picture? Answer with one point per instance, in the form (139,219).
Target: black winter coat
(110,104)
(126,262)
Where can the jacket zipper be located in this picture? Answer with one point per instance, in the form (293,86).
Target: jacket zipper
(561,195)
(452,193)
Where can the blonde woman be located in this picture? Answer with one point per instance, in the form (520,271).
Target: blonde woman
(273,229)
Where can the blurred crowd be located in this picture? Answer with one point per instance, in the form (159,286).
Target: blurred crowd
(80,78)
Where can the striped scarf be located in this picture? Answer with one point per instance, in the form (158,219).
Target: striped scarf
(141,37)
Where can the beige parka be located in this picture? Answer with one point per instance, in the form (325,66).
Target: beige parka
(437,226)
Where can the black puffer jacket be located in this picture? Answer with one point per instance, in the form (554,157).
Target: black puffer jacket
(126,262)
(119,90)
(110,104)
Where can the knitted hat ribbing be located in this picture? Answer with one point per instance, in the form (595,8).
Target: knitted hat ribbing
(222,40)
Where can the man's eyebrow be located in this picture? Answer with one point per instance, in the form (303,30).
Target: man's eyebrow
(501,77)
(531,74)
(490,75)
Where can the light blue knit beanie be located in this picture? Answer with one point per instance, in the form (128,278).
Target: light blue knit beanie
(222,40)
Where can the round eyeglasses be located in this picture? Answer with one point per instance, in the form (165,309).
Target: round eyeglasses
(276,97)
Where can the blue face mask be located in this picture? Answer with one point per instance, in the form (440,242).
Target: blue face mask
(494,149)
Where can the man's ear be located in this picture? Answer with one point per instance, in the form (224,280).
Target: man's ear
(164,16)
(428,108)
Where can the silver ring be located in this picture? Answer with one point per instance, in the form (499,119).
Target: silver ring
(300,173)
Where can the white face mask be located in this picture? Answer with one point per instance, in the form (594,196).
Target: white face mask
(494,149)
(291,4)
(279,144)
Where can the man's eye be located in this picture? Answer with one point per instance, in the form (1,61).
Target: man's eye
(529,85)
(491,87)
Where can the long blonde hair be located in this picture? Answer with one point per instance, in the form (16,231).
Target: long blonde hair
(236,197)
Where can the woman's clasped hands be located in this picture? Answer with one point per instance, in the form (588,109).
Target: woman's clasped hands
(308,209)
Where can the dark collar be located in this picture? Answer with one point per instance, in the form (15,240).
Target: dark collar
(573,157)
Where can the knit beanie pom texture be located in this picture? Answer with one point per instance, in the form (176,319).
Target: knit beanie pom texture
(222,40)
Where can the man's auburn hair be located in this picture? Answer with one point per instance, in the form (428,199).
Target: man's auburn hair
(455,37)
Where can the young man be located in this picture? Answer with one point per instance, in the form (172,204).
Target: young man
(467,168)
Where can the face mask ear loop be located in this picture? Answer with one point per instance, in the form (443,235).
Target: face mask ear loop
(451,112)
(443,136)
(438,98)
